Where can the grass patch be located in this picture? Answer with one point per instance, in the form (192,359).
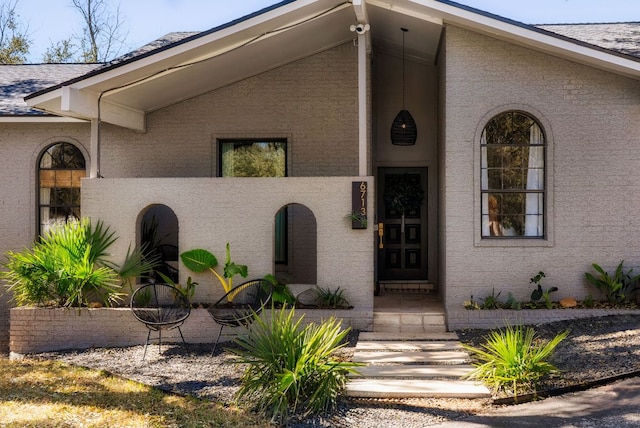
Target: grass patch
(53,394)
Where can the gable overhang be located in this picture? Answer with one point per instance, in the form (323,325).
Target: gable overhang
(528,36)
(124,93)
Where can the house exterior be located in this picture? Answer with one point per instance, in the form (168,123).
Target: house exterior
(523,159)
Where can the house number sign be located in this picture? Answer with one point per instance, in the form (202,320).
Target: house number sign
(359,205)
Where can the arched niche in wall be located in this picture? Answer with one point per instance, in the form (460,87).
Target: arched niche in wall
(158,230)
(295,245)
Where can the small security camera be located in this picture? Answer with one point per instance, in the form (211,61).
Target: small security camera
(360,28)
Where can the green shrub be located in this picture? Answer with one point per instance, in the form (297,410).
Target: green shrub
(292,369)
(492,301)
(69,267)
(327,298)
(513,357)
(616,288)
(281,293)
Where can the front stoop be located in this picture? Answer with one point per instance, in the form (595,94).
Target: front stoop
(415,365)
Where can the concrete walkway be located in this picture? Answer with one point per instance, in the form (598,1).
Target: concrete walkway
(410,354)
(427,366)
(615,405)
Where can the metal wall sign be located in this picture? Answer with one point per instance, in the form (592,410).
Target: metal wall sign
(359,205)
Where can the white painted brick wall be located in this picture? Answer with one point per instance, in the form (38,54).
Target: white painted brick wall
(312,102)
(241,211)
(591,121)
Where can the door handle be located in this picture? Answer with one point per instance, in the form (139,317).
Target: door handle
(380,235)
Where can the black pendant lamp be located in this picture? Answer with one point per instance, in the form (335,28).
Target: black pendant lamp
(403,129)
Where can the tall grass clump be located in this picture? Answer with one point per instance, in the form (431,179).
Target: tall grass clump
(513,357)
(292,370)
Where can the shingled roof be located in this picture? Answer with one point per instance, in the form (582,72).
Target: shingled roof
(16,81)
(622,37)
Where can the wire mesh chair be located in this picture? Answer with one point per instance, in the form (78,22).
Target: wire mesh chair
(160,307)
(238,307)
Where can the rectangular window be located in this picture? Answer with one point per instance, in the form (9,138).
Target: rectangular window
(253,158)
(258,158)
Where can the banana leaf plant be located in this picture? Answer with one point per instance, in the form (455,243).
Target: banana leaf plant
(200,260)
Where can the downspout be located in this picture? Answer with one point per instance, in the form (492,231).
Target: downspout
(364,41)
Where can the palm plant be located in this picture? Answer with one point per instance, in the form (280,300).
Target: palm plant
(70,266)
(291,369)
(513,357)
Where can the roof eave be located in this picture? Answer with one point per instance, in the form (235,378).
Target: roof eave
(536,38)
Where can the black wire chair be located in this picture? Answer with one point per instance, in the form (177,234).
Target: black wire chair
(160,307)
(239,306)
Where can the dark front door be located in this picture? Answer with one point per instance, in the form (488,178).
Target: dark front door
(402,251)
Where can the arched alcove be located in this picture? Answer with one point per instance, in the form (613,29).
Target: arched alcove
(295,245)
(158,230)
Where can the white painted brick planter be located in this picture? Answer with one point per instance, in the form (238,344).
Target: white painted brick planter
(486,319)
(34,330)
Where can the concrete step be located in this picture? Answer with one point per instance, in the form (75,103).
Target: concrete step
(433,357)
(414,371)
(377,335)
(409,318)
(408,388)
(410,346)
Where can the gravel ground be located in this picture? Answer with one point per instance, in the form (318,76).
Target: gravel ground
(595,349)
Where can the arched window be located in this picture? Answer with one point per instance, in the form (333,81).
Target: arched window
(513,177)
(60,169)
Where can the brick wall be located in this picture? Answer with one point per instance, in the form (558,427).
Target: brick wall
(591,121)
(241,211)
(312,102)
(35,330)
(21,146)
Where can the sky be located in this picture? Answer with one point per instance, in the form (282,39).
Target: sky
(49,21)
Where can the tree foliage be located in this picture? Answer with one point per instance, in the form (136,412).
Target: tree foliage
(14,38)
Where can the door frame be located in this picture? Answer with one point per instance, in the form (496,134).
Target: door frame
(433,224)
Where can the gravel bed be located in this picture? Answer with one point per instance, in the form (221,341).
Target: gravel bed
(596,348)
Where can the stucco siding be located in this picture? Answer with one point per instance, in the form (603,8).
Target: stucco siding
(590,118)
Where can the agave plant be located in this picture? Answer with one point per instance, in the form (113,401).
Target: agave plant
(199,260)
(70,267)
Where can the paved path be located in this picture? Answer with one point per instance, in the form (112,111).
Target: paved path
(612,406)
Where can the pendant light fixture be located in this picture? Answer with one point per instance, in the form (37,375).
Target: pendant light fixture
(403,128)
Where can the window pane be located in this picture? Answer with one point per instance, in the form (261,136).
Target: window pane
(61,168)
(253,158)
(512,169)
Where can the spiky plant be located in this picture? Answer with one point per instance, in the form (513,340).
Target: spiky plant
(292,369)
(513,357)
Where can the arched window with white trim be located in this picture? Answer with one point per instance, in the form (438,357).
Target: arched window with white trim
(513,177)
(61,166)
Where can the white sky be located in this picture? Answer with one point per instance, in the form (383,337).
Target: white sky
(52,20)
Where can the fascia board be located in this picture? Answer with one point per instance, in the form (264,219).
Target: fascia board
(537,39)
(40,119)
(167,58)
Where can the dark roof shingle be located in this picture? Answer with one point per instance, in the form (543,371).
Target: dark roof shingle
(18,80)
